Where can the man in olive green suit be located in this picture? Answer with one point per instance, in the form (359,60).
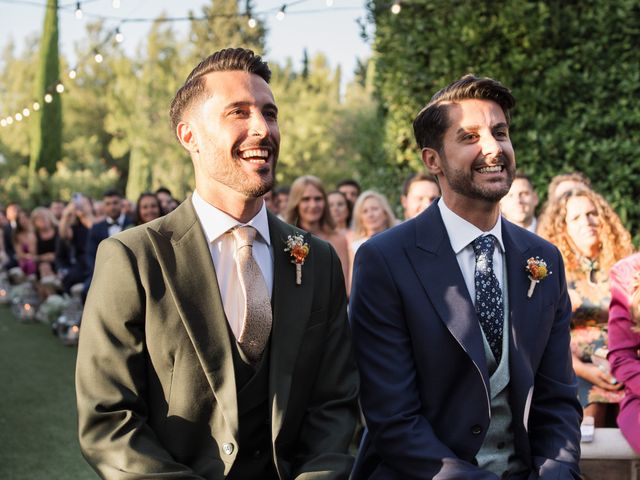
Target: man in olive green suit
(168,381)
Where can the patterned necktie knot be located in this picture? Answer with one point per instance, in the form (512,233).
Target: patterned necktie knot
(489,302)
(244,236)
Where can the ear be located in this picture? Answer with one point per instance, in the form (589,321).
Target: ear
(431,160)
(187,137)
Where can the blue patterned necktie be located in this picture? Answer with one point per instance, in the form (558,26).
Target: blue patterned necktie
(489,303)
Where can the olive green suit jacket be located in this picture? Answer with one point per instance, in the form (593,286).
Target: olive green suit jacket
(155,379)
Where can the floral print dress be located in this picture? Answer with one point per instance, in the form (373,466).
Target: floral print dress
(590,296)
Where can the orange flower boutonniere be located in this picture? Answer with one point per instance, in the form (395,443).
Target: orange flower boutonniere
(537,270)
(298,249)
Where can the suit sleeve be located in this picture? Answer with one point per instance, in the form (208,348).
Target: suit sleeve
(329,424)
(391,404)
(624,341)
(111,375)
(555,414)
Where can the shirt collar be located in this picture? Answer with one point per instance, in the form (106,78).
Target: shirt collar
(462,233)
(216,223)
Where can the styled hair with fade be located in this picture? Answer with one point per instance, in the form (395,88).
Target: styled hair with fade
(432,122)
(227,60)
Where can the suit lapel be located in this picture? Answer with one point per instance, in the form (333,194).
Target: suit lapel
(291,309)
(185,259)
(437,269)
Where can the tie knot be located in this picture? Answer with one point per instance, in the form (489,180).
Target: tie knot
(244,236)
(484,244)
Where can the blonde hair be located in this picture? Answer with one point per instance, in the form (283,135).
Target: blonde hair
(614,238)
(358,227)
(296,192)
(45,213)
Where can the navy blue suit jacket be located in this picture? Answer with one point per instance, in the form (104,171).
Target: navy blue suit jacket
(98,233)
(425,381)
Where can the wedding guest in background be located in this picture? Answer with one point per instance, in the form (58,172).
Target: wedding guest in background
(127,208)
(270,202)
(281,198)
(147,208)
(592,239)
(308,209)
(372,214)
(519,205)
(98,211)
(624,343)
(56,207)
(11,213)
(418,192)
(24,244)
(341,211)
(566,181)
(350,188)
(115,221)
(172,204)
(71,261)
(46,232)
(164,196)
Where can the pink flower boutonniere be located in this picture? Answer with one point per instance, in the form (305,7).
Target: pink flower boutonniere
(298,249)
(537,270)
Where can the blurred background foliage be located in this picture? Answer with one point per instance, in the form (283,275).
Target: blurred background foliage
(573,66)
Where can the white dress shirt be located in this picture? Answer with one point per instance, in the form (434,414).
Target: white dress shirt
(461,235)
(115,226)
(216,225)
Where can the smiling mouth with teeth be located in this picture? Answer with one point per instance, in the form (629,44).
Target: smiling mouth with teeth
(255,155)
(494,169)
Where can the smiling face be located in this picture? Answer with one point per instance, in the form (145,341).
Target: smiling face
(311,206)
(374,218)
(583,224)
(148,209)
(233,138)
(477,162)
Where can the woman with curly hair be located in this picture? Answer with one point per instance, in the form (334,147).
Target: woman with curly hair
(308,208)
(591,238)
(624,343)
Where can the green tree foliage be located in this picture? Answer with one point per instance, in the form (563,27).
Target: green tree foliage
(46,133)
(573,66)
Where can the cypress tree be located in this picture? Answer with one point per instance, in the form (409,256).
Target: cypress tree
(46,133)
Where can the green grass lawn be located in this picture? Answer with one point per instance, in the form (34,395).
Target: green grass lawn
(38,438)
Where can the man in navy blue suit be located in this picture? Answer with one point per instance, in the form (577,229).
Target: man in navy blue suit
(461,338)
(114,222)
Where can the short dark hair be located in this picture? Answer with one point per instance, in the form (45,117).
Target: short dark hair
(432,122)
(111,193)
(227,60)
(524,176)
(417,177)
(163,190)
(350,182)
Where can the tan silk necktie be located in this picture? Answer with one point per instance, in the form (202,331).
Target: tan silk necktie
(256,326)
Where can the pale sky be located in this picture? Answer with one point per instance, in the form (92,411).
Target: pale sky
(309,24)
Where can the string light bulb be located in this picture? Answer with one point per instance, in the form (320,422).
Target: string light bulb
(48,98)
(281,13)
(9,120)
(59,88)
(26,112)
(78,11)
(252,23)
(98,57)
(18,117)
(329,3)
(72,74)
(395,8)
(115,4)
(36,106)
(3,123)
(119,36)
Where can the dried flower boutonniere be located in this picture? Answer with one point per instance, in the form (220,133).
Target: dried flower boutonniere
(537,270)
(298,249)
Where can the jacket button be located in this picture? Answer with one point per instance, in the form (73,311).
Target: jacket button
(476,429)
(227,448)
